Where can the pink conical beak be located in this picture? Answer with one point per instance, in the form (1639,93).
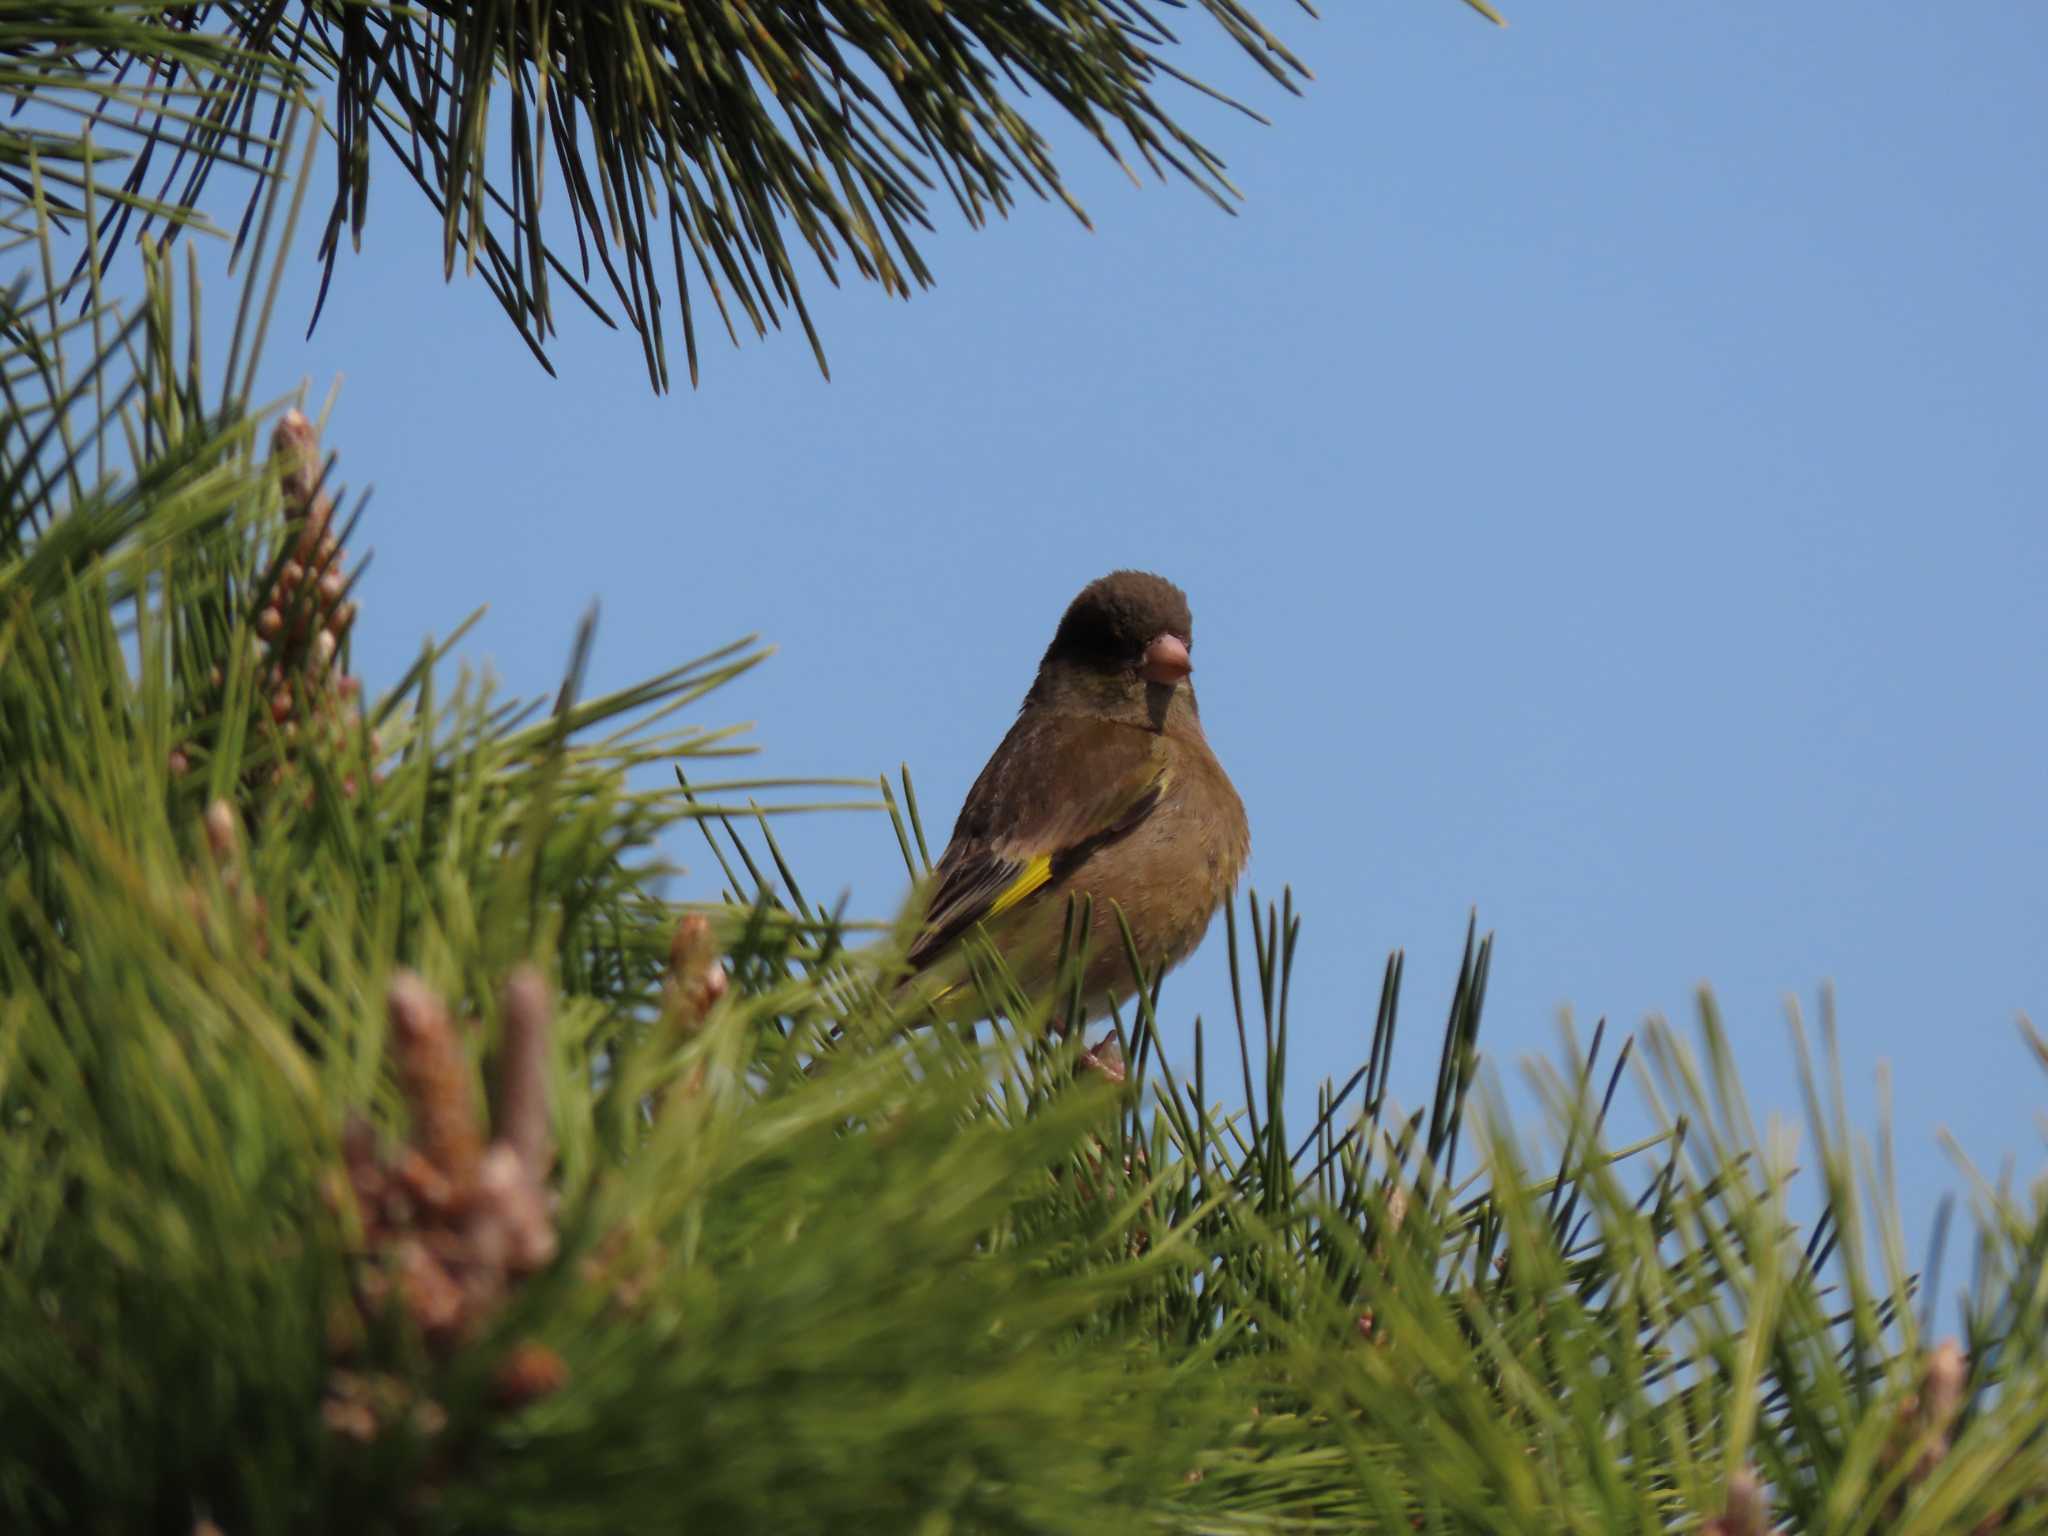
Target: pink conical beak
(1166,660)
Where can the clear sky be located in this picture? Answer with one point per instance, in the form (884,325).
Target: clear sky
(1608,459)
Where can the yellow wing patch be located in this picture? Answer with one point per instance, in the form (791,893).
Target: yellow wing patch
(1035,873)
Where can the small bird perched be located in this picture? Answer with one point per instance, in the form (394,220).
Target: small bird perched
(1104,788)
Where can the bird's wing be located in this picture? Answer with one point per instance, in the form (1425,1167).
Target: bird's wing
(1058,789)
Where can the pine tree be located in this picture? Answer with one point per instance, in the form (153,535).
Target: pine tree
(380,1151)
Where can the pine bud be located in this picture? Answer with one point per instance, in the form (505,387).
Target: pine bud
(436,1080)
(532,1371)
(222,830)
(520,1117)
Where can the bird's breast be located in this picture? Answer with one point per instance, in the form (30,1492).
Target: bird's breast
(1170,875)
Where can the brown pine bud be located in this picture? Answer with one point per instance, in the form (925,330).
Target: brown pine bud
(223,830)
(349,1418)
(433,1300)
(1746,1513)
(295,447)
(1947,1370)
(520,1117)
(508,1224)
(358,1143)
(435,1076)
(696,979)
(1940,1402)
(313,532)
(532,1371)
(425,1184)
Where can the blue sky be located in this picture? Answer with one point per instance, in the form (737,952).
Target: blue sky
(1605,456)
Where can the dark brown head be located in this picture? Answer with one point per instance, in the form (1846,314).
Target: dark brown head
(1130,624)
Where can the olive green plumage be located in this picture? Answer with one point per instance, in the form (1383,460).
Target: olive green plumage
(1105,788)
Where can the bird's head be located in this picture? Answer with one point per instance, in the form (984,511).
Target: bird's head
(1125,639)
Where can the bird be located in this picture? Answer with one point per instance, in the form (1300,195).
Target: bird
(1104,800)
